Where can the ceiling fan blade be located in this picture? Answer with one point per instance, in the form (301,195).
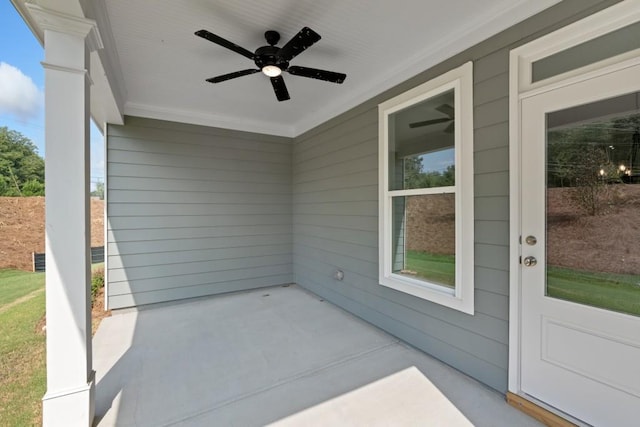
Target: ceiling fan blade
(233,75)
(314,73)
(301,41)
(429,122)
(446,109)
(280,88)
(224,43)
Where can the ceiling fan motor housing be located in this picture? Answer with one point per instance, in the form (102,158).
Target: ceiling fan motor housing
(268,55)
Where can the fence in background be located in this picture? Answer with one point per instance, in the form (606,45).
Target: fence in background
(39,260)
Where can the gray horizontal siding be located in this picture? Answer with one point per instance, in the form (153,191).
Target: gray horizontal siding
(179,291)
(335,213)
(193,244)
(215,195)
(223,173)
(153,221)
(194,211)
(134,235)
(185,278)
(179,256)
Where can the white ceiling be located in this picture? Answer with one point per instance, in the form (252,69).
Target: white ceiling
(377,43)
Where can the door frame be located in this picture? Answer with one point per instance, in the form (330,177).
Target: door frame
(521,86)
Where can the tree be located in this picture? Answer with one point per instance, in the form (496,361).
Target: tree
(412,172)
(448,177)
(33,188)
(415,177)
(20,165)
(99,191)
(590,191)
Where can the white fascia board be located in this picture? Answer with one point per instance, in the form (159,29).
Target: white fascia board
(110,88)
(105,105)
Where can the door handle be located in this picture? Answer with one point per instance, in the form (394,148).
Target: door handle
(530,261)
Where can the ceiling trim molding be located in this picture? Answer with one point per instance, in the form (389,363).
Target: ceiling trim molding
(105,89)
(495,20)
(203,119)
(53,20)
(108,54)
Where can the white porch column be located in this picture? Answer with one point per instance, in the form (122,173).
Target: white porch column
(69,400)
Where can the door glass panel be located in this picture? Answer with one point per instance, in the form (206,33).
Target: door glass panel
(424,238)
(593,204)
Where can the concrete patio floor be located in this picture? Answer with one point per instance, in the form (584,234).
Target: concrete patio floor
(275,355)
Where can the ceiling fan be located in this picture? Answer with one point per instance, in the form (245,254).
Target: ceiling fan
(444,109)
(273,60)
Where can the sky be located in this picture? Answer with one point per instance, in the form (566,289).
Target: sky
(438,161)
(22,87)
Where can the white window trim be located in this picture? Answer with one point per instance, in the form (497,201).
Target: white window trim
(520,87)
(462,297)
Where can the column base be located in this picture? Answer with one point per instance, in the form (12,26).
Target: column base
(71,407)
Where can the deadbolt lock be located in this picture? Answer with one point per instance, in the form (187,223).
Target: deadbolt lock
(531,240)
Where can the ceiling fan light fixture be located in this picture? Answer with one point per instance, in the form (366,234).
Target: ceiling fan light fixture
(271,70)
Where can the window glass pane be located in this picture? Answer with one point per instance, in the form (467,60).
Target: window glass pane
(607,46)
(421,144)
(593,204)
(423,238)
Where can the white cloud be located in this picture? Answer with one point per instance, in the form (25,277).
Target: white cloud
(19,96)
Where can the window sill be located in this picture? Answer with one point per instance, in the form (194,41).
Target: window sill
(438,294)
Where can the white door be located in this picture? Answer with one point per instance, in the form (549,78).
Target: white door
(580,271)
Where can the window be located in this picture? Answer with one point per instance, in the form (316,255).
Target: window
(426,190)
(584,48)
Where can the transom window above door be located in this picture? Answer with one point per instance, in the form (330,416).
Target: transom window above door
(426,191)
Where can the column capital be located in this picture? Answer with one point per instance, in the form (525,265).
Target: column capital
(49,19)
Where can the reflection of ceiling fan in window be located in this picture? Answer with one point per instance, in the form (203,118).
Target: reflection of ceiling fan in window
(444,109)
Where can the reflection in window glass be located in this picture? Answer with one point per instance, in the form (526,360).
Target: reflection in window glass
(421,144)
(423,238)
(430,170)
(593,204)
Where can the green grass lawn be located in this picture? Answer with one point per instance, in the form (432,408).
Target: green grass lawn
(22,345)
(15,284)
(440,269)
(617,292)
